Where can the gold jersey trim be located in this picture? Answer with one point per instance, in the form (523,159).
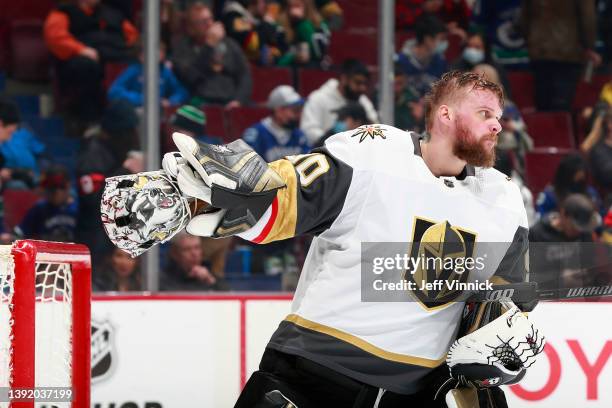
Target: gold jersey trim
(285,221)
(364,345)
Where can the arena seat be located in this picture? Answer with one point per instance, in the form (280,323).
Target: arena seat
(550,129)
(29,56)
(358,45)
(265,79)
(521,85)
(111,71)
(311,79)
(22,9)
(241,118)
(12,11)
(167,145)
(401,37)
(215,121)
(540,167)
(454,47)
(587,93)
(359,15)
(5,53)
(581,127)
(16,205)
(48,130)
(29,104)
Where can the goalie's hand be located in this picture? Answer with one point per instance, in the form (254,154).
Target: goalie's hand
(496,346)
(497,352)
(189,182)
(204,219)
(234,172)
(232,178)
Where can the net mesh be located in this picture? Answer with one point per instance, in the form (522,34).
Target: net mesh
(54,321)
(53,311)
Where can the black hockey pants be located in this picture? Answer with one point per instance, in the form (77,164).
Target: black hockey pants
(310,385)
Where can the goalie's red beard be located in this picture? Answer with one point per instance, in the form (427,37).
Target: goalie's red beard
(474,152)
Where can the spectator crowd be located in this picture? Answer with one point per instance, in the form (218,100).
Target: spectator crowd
(284,75)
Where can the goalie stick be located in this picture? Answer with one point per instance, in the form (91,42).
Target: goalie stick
(528,291)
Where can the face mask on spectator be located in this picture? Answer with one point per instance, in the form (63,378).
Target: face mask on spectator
(339,127)
(473,55)
(441,47)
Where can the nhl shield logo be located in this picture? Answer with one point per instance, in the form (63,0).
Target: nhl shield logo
(102,351)
(439,248)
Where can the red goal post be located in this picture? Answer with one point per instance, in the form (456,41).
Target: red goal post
(45,311)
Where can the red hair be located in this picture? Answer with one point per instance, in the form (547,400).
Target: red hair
(448,88)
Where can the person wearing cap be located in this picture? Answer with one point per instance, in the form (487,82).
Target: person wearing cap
(571,176)
(53,218)
(556,257)
(279,135)
(350,116)
(576,220)
(191,121)
(273,138)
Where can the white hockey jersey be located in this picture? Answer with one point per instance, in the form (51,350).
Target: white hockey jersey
(372,185)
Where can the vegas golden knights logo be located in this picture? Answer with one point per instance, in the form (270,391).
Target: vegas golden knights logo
(372,131)
(440,251)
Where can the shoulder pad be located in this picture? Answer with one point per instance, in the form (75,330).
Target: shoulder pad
(370,144)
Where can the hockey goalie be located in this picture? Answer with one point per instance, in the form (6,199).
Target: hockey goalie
(372,184)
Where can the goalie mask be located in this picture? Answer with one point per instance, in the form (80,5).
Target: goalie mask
(141,210)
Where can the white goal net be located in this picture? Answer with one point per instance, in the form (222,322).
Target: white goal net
(41,327)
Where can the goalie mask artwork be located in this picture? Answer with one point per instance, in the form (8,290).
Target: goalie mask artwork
(141,210)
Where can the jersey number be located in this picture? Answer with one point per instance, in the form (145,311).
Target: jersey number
(309,166)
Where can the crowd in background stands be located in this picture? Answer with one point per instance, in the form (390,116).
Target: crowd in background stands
(208,51)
